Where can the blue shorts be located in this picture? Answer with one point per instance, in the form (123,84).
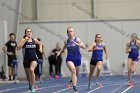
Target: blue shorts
(134,58)
(77,62)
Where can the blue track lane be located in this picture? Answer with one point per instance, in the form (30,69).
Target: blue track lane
(112,84)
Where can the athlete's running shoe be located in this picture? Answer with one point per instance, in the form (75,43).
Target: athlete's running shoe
(57,77)
(99,84)
(75,90)
(96,81)
(130,84)
(33,90)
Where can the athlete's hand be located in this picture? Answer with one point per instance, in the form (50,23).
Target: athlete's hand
(41,50)
(106,57)
(75,43)
(129,50)
(26,38)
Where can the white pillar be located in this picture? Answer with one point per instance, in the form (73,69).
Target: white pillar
(5,55)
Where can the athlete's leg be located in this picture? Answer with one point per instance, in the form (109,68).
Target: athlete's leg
(92,68)
(133,66)
(56,70)
(40,70)
(13,72)
(72,68)
(59,66)
(74,71)
(129,64)
(50,68)
(10,72)
(99,67)
(32,69)
(27,72)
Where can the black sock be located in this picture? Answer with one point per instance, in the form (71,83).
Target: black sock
(74,87)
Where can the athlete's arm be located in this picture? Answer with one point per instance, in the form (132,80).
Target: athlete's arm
(16,51)
(22,42)
(138,43)
(106,53)
(79,43)
(64,47)
(40,45)
(91,48)
(4,48)
(44,54)
(127,47)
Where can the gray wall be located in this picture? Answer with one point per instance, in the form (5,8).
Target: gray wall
(2,41)
(115,34)
(9,11)
(80,9)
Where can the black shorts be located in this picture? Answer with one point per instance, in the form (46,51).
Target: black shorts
(27,63)
(94,62)
(11,59)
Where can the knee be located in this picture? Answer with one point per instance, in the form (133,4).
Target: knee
(133,71)
(31,69)
(99,68)
(91,71)
(74,71)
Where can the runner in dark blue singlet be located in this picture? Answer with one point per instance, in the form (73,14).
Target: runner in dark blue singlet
(30,57)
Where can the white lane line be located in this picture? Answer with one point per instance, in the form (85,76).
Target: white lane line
(117,88)
(126,90)
(10,89)
(44,88)
(94,90)
(67,89)
(1,91)
(117,83)
(103,87)
(61,90)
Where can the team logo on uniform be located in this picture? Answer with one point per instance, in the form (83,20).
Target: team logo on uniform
(30,46)
(13,44)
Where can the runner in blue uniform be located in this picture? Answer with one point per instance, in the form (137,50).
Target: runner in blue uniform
(132,48)
(73,59)
(97,49)
(30,57)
